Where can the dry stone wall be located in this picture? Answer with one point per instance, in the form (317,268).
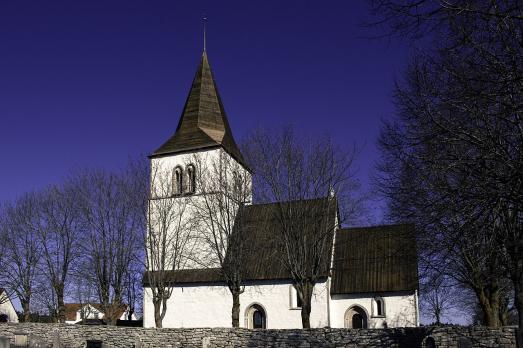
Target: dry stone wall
(76,336)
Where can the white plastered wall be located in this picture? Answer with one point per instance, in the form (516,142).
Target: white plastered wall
(400,309)
(210,306)
(208,163)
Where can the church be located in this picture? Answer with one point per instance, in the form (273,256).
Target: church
(369,278)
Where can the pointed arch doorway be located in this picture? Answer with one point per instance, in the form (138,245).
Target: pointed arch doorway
(355,318)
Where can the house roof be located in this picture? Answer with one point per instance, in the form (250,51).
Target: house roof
(4,292)
(203,123)
(262,222)
(375,259)
(72,308)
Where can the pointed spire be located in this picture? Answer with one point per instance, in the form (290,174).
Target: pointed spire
(203,123)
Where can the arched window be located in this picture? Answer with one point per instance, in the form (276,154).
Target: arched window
(379,307)
(256,318)
(191,179)
(178,181)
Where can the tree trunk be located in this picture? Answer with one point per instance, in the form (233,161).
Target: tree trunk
(59,288)
(157,315)
(305,291)
(25,308)
(437,314)
(518,300)
(115,308)
(490,307)
(235,308)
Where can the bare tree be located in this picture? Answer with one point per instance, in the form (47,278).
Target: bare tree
(458,132)
(22,250)
(291,173)
(3,248)
(420,18)
(438,296)
(224,187)
(58,229)
(113,235)
(133,293)
(167,240)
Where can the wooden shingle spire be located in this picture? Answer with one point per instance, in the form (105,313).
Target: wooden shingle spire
(203,123)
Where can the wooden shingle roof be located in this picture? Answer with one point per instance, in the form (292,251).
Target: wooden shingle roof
(203,123)
(263,225)
(375,259)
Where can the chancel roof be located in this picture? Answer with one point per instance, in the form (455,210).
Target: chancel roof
(375,259)
(203,123)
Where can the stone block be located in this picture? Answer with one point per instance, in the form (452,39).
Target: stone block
(4,342)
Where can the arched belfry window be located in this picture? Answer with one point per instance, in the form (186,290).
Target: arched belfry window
(178,181)
(191,179)
(236,183)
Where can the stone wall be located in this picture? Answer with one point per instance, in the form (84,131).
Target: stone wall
(75,336)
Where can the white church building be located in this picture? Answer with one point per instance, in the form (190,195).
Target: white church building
(369,279)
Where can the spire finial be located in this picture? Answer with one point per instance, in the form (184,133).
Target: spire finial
(204,33)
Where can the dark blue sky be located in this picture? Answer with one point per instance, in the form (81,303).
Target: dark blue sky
(92,83)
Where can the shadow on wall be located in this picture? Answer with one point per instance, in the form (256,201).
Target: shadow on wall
(338,337)
(401,319)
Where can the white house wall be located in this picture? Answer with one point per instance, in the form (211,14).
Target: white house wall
(6,307)
(400,309)
(210,306)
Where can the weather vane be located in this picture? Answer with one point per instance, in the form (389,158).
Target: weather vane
(204,32)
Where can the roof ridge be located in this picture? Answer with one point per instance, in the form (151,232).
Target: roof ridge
(376,226)
(291,201)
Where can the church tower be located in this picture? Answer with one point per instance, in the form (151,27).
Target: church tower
(192,164)
(203,123)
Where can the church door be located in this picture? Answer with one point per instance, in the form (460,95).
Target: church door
(355,318)
(357,321)
(257,318)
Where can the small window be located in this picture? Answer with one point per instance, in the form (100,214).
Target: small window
(298,301)
(295,301)
(379,307)
(178,181)
(191,179)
